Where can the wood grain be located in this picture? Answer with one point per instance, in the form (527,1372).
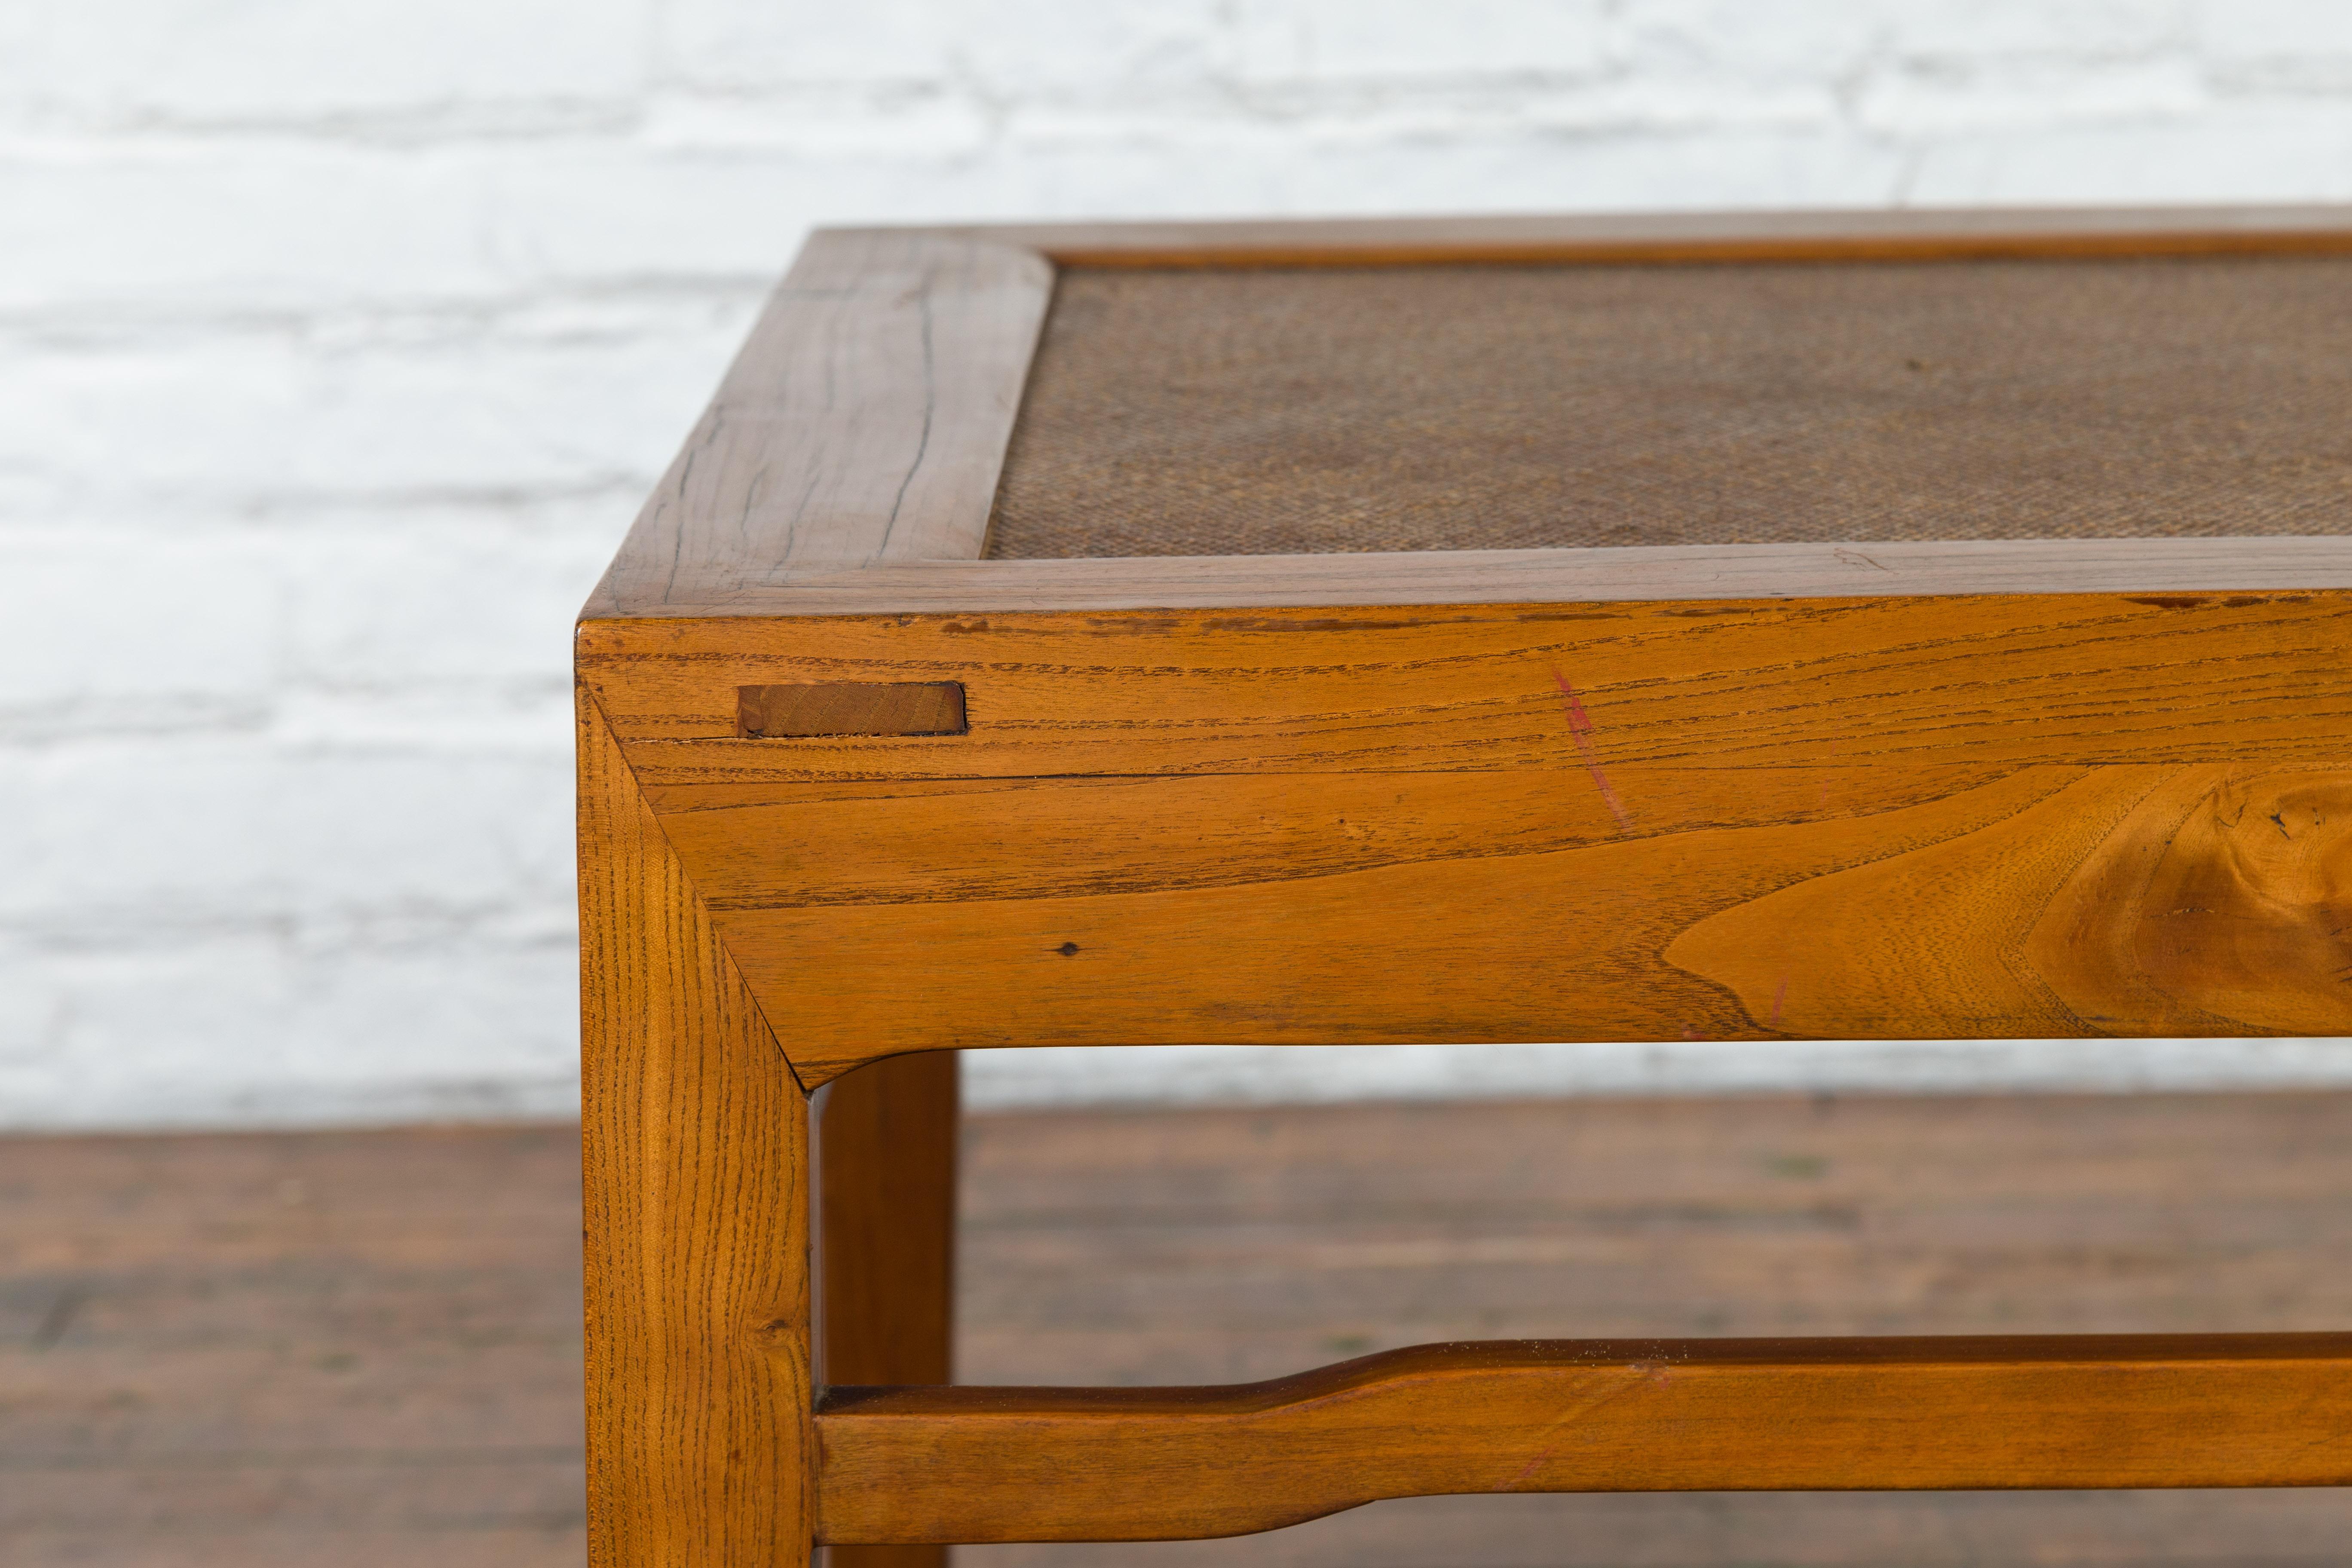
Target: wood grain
(865,420)
(361,1347)
(1961,915)
(864,424)
(695,1150)
(765,845)
(2014,789)
(887,1154)
(1904,817)
(2242,911)
(2206,901)
(1602,574)
(887,1151)
(2019,679)
(1215,1246)
(1047,1463)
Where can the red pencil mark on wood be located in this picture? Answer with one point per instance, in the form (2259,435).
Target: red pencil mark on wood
(1579,730)
(1779,999)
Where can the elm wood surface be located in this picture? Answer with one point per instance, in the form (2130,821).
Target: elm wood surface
(2079,679)
(849,708)
(810,458)
(867,418)
(887,1149)
(1046,716)
(1906,817)
(887,1143)
(2014,1412)
(696,1177)
(283,1350)
(1982,913)
(1603,574)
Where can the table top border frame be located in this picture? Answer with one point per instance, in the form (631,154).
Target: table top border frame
(849,462)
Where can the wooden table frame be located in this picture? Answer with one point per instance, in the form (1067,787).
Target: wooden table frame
(850,794)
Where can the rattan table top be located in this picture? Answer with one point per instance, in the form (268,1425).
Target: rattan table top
(1239,412)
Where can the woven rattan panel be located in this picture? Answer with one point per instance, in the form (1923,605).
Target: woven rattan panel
(1482,407)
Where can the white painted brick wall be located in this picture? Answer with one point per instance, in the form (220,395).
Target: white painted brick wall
(339,338)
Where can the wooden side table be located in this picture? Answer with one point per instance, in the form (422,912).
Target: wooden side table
(1881,627)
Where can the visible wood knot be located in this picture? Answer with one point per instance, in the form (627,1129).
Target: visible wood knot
(2247,907)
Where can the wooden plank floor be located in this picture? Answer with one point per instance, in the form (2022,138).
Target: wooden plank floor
(363,1348)
(1197,1248)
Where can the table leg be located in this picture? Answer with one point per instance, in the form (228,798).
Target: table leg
(887,1220)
